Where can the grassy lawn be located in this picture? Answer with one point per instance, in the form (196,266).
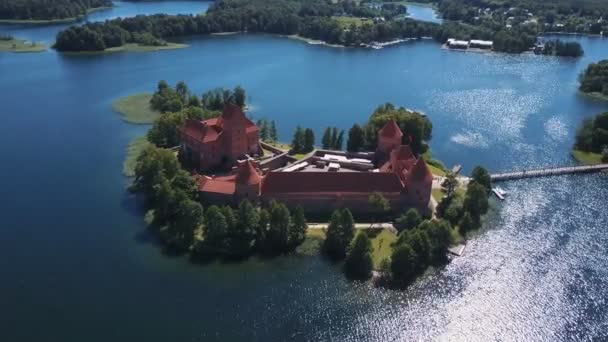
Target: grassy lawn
(136,109)
(133,151)
(18,45)
(436,171)
(347,22)
(300,155)
(279,145)
(588,158)
(381,242)
(437,194)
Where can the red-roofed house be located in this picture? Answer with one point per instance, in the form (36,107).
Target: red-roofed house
(221,141)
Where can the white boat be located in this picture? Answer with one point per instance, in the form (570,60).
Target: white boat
(499,192)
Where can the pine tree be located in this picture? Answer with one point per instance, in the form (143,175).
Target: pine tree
(273,135)
(297,232)
(277,236)
(466,223)
(334,138)
(309,140)
(297,144)
(339,141)
(326,141)
(356,139)
(242,236)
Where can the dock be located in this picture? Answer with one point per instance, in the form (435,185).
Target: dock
(457,250)
(554,171)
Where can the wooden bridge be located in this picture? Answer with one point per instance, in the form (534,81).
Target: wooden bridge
(556,171)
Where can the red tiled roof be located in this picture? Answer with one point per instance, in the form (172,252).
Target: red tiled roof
(330,182)
(403,152)
(201,130)
(420,172)
(247,174)
(391,130)
(216,185)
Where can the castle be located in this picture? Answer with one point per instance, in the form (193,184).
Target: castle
(220,142)
(322,182)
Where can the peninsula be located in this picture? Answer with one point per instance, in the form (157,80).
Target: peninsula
(349,24)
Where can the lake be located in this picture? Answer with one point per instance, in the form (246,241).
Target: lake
(77,264)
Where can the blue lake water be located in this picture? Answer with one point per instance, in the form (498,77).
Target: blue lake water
(76,264)
(423,13)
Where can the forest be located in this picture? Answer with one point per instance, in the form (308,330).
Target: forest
(595,78)
(48,9)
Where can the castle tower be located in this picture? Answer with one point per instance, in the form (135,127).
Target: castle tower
(248,181)
(389,137)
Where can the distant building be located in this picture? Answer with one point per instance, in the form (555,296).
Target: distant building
(481,44)
(221,141)
(328,180)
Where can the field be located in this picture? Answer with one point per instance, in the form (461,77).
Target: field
(588,158)
(17,45)
(134,149)
(136,109)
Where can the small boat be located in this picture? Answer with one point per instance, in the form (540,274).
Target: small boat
(499,192)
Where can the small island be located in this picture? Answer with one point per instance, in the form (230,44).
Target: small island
(11,44)
(594,80)
(48,12)
(216,185)
(591,145)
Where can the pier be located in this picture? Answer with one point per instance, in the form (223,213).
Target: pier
(556,171)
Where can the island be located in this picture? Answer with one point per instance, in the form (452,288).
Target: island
(591,145)
(48,12)
(217,185)
(11,44)
(594,80)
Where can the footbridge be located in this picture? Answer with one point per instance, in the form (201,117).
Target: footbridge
(555,171)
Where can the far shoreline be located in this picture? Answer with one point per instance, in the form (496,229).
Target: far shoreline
(53,21)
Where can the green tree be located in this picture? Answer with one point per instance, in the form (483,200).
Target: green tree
(379,205)
(188,219)
(277,236)
(165,130)
(410,220)
(262,229)
(476,200)
(297,144)
(359,263)
(274,136)
(182,90)
(241,237)
(240,96)
(297,231)
(263,126)
(151,162)
(326,141)
(356,139)
(450,183)
(605,155)
(481,176)
(334,138)
(309,140)
(439,238)
(466,223)
(339,141)
(215,233)
(194,101)
(403,264)
(339,233)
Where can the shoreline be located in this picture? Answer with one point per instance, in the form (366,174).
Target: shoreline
(586,158)
(16,45)
(53,21)
(595,96)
